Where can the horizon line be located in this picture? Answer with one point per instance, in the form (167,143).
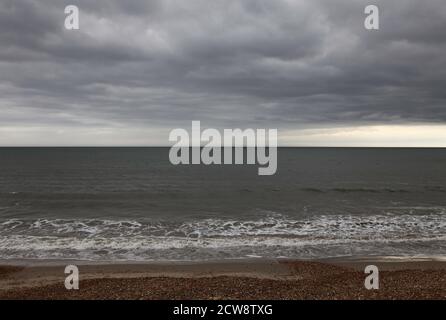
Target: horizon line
(163,146)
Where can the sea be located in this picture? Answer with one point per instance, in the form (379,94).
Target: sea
(132,204)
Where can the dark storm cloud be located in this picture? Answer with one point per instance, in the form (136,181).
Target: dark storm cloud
(285,64)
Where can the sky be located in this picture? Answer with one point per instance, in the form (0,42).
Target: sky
(137,69)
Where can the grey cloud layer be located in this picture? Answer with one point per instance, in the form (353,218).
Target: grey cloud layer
(229,63)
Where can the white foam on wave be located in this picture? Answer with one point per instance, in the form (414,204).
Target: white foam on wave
(271,235)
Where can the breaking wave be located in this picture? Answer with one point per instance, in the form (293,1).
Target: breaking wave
(271,236)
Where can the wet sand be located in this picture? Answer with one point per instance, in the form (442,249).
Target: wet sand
(257,279)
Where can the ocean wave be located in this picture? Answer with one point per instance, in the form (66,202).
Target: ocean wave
(272,235)
(337,226)
(436,189)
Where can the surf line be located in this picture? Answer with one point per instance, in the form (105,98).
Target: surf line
(256,146)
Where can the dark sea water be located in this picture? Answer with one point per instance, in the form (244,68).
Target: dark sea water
(132,204)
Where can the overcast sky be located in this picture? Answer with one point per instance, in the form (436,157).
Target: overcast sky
(137,69)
